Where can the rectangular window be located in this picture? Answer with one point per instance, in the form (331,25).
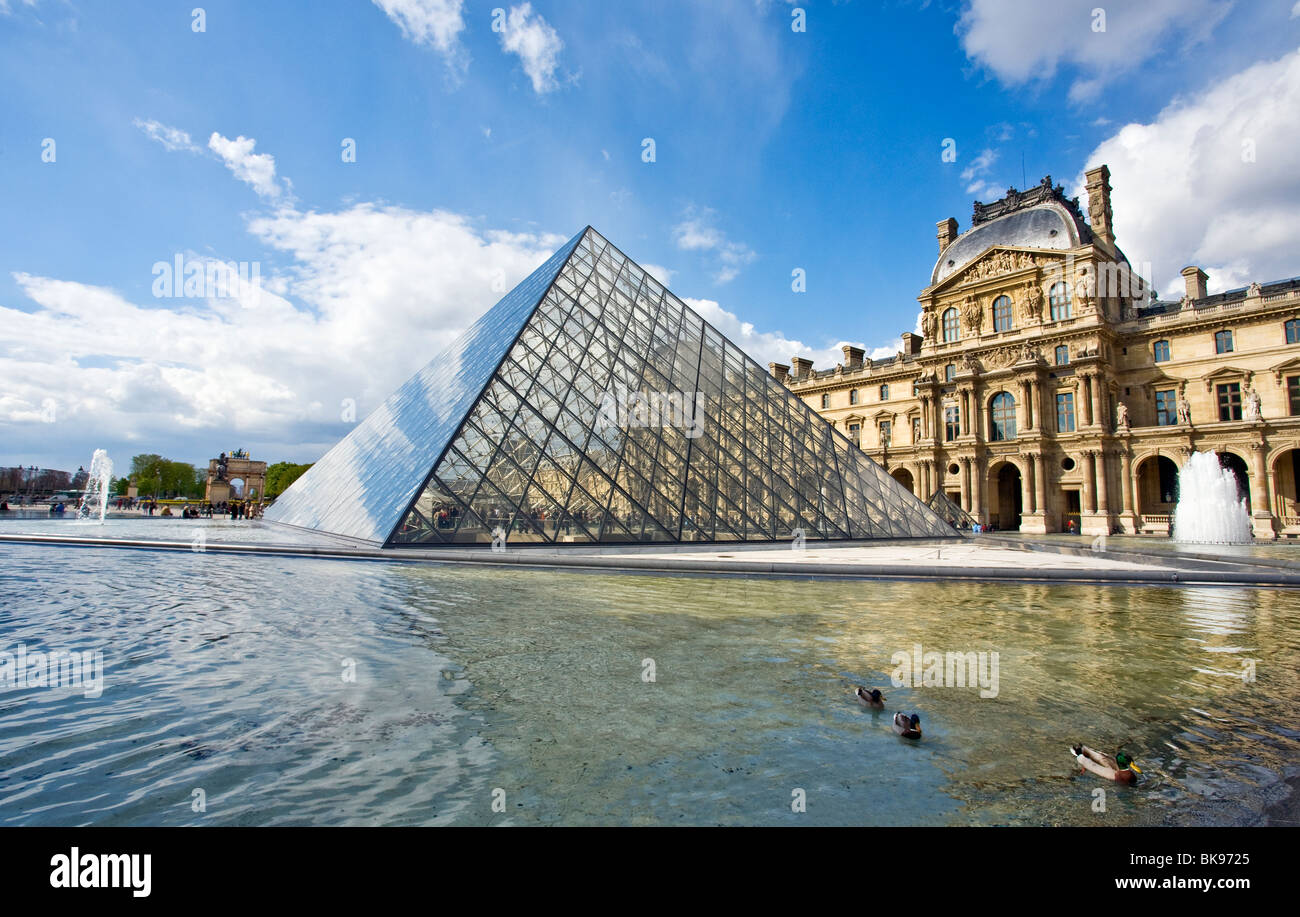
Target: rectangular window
(853,396)
(949,372)
(1293,394)
(855,434)
(1062,355)
(1223,342)
(1166,408)
(1065,412)
(885,427)
(1160,351)
(1293,331)
(884,393)
(1230,401)
(826,401)
(951,423)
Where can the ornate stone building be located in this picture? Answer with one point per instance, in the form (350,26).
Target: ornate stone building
(1051,387)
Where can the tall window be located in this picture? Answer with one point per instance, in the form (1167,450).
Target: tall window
(826,401)
(916,430)
(853,396)
(886,428)
(1293,394)
(855,434)
(1223,342)
(951,422)
(1293,331)
(884,393)
(950,372)
(1058,297)
(1002,313)
(1230,401)
(1160,350)
(1062,355)
(951,326)
(1065,412)
(1002,417)
(1166,408)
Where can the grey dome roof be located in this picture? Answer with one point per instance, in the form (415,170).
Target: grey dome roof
(1048,225)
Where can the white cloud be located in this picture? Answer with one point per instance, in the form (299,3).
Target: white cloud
(537,45)
(255,169)
(1185,192)
(1295,10)
(696,232)
(376,292)
(773,346)
(1026,40)
(173,139)
(660,273)
(436,23)
(976,176)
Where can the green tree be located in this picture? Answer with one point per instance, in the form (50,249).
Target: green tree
(280,475)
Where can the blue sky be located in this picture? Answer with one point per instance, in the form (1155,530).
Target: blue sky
(479,151)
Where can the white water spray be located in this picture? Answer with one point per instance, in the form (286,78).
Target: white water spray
(1210,507)
(95,497)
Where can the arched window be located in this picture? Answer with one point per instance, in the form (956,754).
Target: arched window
(1002,313)
(951,326)
(1059,299)
(1002,417)
(1160,350)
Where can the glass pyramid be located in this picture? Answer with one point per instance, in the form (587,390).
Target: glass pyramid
(592,405)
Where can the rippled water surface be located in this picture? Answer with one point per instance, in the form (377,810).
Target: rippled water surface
(227,675)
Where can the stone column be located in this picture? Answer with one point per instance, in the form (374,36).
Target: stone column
(977,490)
(1128,522)
(1098,412)
(964,481)
(1089,480)
(1262,518)
(1103,488)
(1086,398)
(1040,485)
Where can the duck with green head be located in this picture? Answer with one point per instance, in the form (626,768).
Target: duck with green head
(1121,768)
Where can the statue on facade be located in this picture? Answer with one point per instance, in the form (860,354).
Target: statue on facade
(1033,303)
(1253,404)
(972,315)
(1255,289)
(1121,417)
(221,467)
(1184,408)
(927,324)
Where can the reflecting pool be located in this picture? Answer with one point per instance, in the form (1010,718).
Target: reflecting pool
(227,691)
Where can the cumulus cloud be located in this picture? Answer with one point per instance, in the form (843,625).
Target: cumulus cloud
(1213,180)
(773,346)
(435,23)
(1025,40)
(369,294)
(697,233)
(537,45)
(173,139)
(976,176)
(255,169)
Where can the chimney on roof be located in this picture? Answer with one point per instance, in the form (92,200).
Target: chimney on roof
(852,356)
(947,233)
(911,343)
(802,368)
(1195,279)
(1099,214)
(780,371)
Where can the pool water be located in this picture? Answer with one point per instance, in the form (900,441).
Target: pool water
(498,696)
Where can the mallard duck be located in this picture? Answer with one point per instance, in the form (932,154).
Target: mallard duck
(873,698)
(1120,768)
(909,727)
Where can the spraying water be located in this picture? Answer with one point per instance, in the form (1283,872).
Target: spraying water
(95,497)
(1210,506)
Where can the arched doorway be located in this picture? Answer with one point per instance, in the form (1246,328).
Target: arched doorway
(1007,507)
(1157,485)
(1286,488)
(904,477)
(236,488)
(1237,465)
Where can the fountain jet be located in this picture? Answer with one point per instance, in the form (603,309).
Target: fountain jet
(1210,507)
(95,497)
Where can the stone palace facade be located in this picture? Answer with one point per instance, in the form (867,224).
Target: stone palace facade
(1051,390)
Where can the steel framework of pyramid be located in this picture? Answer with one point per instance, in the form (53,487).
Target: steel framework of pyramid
(592,405)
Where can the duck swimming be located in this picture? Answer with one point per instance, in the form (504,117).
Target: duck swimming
(873,698)
(1120,768)
(909,727)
